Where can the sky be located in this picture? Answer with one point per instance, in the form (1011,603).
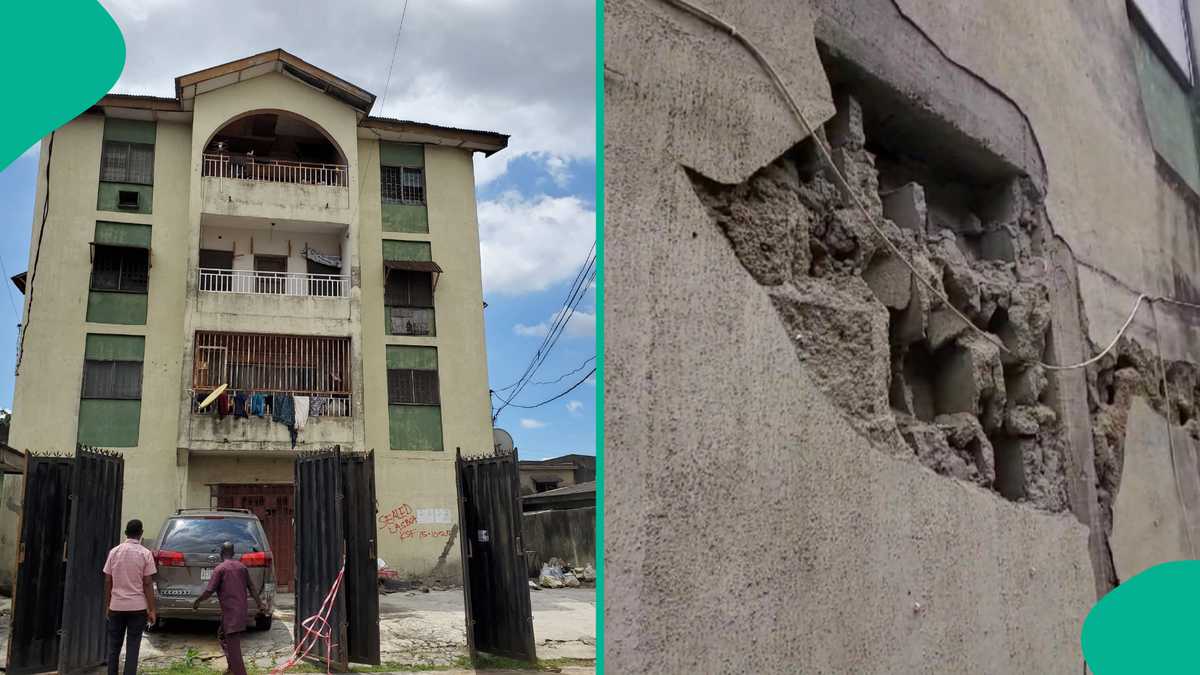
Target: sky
(522,68)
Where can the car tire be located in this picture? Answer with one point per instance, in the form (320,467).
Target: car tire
(263,622)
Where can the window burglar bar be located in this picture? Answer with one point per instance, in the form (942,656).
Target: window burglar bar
(291,364)
(273,283)
(246,167)
(402,184)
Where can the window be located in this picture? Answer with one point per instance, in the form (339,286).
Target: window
(407,386)
(323,286)
(545,485)
(205,534)
(408,297)
(403,184)
(128,199)
(121,269)
(274,281)
(112,379)
(1166,22)
(122,162)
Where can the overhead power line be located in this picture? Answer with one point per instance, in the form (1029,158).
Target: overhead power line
(555,398)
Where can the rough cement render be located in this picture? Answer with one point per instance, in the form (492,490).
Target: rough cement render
(834,554)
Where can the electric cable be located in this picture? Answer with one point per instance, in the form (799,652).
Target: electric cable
(554,398)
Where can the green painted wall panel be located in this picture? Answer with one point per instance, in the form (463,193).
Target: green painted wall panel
(415,427)
(417,358)
(411,218)
(121,308)
(102,347)
(1168,112)
(107,197)
(130,131)
(401,154)
(406,250)
(108,423)
(124,234)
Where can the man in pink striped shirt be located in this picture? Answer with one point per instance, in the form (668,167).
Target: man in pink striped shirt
(128,597)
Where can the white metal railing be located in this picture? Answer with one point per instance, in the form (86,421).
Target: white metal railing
(274,283)
(247,167)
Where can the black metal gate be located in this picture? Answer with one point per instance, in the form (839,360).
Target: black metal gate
(97,485)
(335,520)
(58,596)
(495,582)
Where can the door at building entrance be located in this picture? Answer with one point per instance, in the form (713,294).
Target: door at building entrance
(273,506)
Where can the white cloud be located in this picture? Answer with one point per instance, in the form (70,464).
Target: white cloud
(574,407)
(527,423)
(531,244)
(522,68)
(557,168)
(581,324)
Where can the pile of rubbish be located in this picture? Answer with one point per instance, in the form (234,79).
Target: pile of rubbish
(557,574)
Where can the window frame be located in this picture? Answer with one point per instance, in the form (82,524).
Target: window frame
(123,253)
(400,187)
(127,176)
(1185,74)
(396,385)
(112,393)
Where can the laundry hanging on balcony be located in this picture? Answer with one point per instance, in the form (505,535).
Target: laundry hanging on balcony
(320,258)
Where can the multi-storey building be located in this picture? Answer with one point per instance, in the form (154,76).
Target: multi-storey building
(262,231)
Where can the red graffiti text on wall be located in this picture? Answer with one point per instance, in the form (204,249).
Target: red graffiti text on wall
(400,521)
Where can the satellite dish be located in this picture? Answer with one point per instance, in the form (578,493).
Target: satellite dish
(502,441)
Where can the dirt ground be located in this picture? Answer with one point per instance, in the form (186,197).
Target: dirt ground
(416,629)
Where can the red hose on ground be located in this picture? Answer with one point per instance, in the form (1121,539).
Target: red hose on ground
(316,629)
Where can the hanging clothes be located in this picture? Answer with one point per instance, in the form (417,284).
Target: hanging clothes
(302,409)
(239,404)
(258,404)
(224,405)
(316,406)
(283,410)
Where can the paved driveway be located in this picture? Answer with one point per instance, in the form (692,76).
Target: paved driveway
(415,628)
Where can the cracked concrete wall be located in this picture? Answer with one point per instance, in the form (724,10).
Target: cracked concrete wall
(832,553)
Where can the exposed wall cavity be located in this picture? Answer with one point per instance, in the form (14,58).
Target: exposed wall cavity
(909,374)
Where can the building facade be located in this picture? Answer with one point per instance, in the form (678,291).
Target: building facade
(260,231)
(812,463)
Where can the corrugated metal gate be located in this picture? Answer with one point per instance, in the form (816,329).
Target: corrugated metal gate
(273,506)
(495,584)
(330,525)
(58,597)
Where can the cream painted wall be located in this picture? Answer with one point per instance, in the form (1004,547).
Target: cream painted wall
(425,480)
(46,396)
(206,470)
(276,242)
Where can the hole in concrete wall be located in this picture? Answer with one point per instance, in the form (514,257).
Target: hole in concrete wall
(1010,469)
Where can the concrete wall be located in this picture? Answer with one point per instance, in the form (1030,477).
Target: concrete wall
(569,535)
(838,553)
(564,477)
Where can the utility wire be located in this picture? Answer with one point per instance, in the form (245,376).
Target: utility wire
(392,64)
(560,378)
(560,317)
(578,288)
(555,398)
(827,157)
(11,302)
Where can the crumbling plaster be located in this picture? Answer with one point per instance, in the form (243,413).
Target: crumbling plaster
(720,440)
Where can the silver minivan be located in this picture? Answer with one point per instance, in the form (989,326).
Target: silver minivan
(189,547)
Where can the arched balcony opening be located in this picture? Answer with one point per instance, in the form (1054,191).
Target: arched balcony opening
(278,147)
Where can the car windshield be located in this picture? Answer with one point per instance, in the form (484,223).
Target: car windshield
(205,534)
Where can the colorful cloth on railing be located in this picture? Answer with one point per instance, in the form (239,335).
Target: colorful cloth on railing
(258,404)
(316,406)
(239,404)
(224,405)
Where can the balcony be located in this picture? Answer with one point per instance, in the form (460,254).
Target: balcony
(275,166)
(254,282)
(273,367)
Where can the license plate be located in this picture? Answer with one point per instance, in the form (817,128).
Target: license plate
(175,592)
(206,573)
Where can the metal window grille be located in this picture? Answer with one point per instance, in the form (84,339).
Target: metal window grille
(299,365)
(402,184)
(122,162)
(116,268)
(407,386)
(408,297)
(112,379)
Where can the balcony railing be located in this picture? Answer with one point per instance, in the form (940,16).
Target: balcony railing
(245,167)
(324,405)
(274,283)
